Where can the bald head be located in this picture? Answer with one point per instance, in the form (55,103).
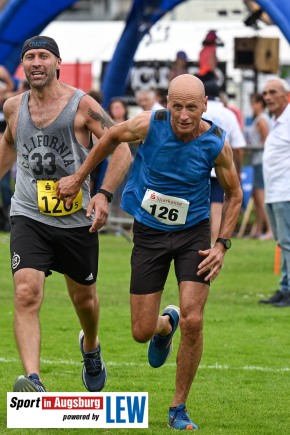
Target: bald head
(186,102)
(186,84)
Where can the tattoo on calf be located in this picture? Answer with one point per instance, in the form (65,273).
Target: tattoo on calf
(103,117)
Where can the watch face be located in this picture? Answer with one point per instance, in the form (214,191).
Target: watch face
(228,243)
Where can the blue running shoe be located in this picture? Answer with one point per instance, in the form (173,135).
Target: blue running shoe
(28,384)
(179,420)
(94,372)
(160,347)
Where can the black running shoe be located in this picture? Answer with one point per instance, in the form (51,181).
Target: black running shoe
(94,372)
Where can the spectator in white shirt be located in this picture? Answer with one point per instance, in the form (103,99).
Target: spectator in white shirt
(276,170)
(226,119)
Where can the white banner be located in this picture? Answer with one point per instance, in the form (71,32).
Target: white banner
(77,410)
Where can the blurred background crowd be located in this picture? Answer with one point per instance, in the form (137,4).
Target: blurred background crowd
(236,105)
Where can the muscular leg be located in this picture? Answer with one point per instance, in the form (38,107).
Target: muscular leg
(86,303)
(193,296)
(28,296)
(145,317)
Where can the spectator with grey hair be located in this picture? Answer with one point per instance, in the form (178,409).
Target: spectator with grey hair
(146,100)
(276,169)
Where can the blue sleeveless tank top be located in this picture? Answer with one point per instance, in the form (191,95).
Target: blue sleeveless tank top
(169,166)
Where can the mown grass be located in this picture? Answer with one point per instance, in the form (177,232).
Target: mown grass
(242,386)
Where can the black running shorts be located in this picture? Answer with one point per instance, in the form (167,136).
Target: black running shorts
(153,251)
(70,251)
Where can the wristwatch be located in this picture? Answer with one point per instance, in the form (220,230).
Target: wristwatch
(226,242)
(109,195)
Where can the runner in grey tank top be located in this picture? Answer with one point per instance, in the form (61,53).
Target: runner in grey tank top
(48,154)
(48,132)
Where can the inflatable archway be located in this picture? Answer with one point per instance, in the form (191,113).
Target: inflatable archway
(22,19)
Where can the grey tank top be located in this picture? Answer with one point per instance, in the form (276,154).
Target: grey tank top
(48,153)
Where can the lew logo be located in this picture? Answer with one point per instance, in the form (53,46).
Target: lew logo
(126,409)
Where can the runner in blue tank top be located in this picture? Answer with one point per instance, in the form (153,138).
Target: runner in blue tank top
(168,193)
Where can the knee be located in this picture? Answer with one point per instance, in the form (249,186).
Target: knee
(141,335)
(27,296)
(191,324)
(85,301)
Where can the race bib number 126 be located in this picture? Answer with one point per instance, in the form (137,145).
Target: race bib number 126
(49,204)
(169,210)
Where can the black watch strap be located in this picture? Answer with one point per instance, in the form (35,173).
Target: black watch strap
(109,195)
(226,242)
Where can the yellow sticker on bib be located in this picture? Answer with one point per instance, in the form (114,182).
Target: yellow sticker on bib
(50,205)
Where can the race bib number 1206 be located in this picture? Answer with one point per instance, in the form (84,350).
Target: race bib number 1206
(49,204)
(169,210)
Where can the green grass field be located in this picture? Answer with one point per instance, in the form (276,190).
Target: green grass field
(242,386)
